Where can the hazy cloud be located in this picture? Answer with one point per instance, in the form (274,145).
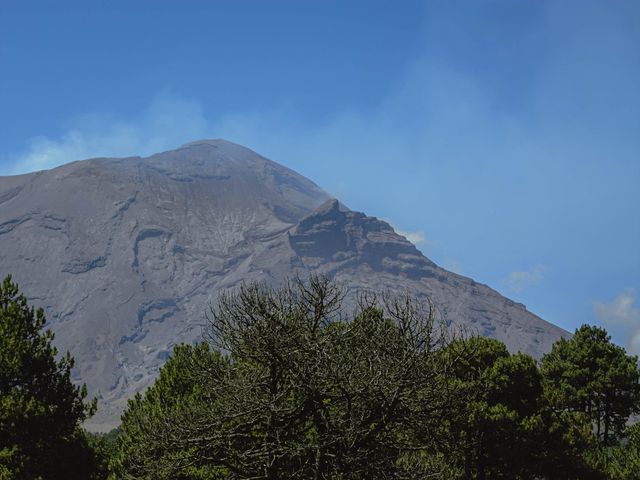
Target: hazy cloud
(520,280)
(621,313)
(481,155)
(168,122)
(417,237)
(453,266)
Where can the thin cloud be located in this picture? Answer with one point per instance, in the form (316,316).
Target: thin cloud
(453,266)
(417,237)
(520,280)
(168,122)
(621,313)
(461,155)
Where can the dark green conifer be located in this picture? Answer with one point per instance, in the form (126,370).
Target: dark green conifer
(40,408)
(590,374)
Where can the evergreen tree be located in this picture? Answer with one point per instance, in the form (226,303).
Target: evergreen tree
(491,434)
(288,386)
(103,447)
(621,462)
(40,408)
(151,444)
(589,374)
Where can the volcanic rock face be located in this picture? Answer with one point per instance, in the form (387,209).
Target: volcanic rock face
(126,254)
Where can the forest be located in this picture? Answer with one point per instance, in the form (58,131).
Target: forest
(309,381)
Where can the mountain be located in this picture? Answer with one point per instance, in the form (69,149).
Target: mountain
(126,254)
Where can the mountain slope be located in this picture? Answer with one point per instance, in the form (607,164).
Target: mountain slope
(126,254)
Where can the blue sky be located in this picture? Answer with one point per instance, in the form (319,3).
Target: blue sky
(502,136)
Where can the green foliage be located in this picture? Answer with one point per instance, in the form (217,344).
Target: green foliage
(40,409)
(559,441)
(589,374)
(146,447)
(300,393)
(104,447)
(288,386)
(490,436)
(621,462)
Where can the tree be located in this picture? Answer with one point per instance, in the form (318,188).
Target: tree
(40,408)
(492,433)
(503,426)
(620,462)
(561,439)
(298,389)
(589,374)
(103,448)
(150,444)
(288,385)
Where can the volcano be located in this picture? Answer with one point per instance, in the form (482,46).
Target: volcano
(126,255)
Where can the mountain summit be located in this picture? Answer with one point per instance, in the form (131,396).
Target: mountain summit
(126,254)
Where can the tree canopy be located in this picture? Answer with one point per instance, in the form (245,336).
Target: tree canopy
(290,385)
(300,382)
(40,408)
(490,431)
(301,391)
(590,374)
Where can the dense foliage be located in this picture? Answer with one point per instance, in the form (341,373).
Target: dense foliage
(150,442)
(40,409)
(591,375)
(492,429)
(299,393)
(289,385)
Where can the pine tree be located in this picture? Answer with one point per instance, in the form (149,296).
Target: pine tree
(500,394)
(40,408)
(147,449)
(590,374)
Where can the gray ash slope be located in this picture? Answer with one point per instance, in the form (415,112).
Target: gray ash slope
(126,254)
